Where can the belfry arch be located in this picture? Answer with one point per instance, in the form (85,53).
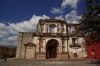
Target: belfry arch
(51,48)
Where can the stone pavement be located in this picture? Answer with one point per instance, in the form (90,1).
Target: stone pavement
(12,62)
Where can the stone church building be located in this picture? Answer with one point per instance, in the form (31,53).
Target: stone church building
(53,39)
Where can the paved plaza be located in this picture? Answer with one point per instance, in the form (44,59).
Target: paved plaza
(85,62)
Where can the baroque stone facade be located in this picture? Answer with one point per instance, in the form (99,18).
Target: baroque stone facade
(53,39)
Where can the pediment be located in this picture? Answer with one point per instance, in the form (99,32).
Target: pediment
(30,44)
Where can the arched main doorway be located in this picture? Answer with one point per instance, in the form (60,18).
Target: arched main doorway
(51,49)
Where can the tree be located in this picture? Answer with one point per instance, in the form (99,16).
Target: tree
(90,21)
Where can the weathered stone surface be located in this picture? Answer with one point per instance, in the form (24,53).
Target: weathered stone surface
(51,32)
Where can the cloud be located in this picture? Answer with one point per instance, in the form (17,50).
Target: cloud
(59,17)
(26,26)
(3,30)
(9,41)
(13,38)
(57,11)
(71,3)
(72,17)
(65,4)
(12,41)
(9,33)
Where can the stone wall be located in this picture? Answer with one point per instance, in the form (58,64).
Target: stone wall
(23,38)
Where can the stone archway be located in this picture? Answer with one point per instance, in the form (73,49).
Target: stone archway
(51,49)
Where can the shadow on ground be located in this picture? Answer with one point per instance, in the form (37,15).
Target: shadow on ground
(94,62)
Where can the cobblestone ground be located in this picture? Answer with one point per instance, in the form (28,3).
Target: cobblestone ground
(11,62)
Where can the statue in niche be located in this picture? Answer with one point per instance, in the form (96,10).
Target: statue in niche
(62,26)
(73,41)
(63,29)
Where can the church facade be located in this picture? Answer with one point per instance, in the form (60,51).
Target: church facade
(53,39)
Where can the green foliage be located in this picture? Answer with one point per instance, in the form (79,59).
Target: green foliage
(90,21)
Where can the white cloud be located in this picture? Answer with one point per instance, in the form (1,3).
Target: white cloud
(59,17)
(71,3)
(12,41)
(72,17)
(57,11)
(13,38)
(26,26)
(14,28)
(65,4)
(9,41)
(3,30)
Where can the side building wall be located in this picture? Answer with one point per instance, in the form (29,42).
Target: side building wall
(23,38)
(7,52)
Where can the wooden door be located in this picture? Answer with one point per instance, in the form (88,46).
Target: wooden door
(75,55)
(52,52)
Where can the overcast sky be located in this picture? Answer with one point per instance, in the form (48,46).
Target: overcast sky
(23,15)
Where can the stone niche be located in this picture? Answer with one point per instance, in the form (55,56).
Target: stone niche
(30,50)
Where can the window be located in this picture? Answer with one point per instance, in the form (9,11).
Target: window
(52,29)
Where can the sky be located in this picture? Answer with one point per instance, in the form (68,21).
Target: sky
(23,15)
